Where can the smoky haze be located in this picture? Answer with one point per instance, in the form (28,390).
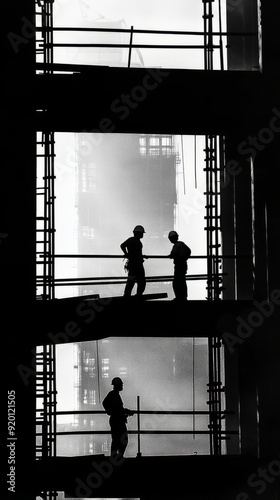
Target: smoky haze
(168,374)
(180,15)
(106,184)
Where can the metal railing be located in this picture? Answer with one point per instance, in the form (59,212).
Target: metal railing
(215,432)
(211,40)
(213,276)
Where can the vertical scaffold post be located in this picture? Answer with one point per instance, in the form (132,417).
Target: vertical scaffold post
(138,427)
(130,46)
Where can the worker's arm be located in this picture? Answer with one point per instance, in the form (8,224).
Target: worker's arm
(173,252)
(124,248)
(189,252)
(106,405)
(128,412)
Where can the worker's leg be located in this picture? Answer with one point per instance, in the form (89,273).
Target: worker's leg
(119,439)
(114,442)
(179,283)
(123,441)
(141,281)
(131,280)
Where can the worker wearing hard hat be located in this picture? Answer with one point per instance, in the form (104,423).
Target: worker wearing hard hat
(113,406)
(132,249)
(180,253)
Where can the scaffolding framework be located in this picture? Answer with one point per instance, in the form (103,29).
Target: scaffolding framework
(46,402)
(45,219)
(46,283)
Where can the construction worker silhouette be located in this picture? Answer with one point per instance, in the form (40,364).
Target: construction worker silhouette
(113,406)
(132,249)
(180,253)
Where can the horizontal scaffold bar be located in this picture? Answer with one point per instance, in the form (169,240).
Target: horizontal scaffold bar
(127,46)
(119,282)
(67,433)
(117,256)
(146,412)
(150,32)
(103,278)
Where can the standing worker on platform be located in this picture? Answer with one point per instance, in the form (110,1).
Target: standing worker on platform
(113,406)
(180,253)
(132,249)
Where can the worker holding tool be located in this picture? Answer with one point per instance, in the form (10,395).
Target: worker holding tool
(180,253)
(132,249)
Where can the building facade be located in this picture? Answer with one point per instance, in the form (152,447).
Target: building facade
(122,181)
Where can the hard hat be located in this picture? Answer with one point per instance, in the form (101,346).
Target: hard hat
(116,381)
(172,233)
(139,229)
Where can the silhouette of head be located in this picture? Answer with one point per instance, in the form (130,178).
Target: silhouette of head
(117,383)
(139,231)
(173,236)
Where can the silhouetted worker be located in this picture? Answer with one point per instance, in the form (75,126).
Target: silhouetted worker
(113,406)
(180,253)
(132,249)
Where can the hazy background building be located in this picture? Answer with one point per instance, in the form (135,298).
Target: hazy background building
(168,374)
(108,183)
(124,181)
